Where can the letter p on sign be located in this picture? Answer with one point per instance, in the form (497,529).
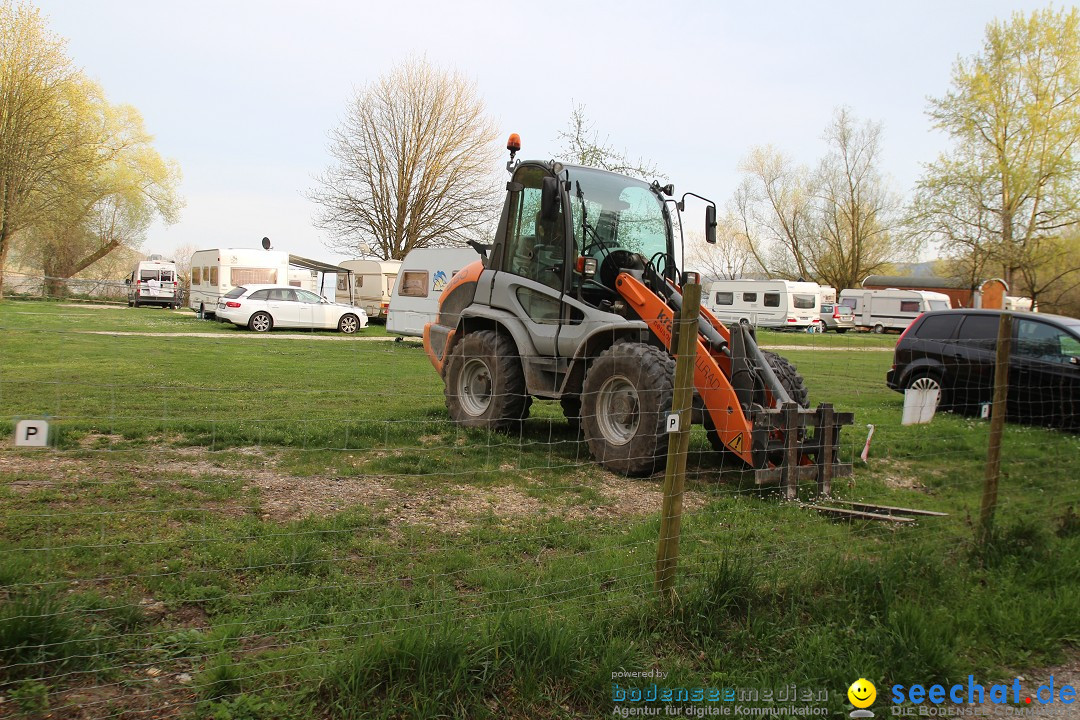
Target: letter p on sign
(32,433)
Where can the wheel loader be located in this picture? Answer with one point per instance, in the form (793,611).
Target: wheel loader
(576,301)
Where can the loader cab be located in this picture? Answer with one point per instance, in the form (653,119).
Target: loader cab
(557,216)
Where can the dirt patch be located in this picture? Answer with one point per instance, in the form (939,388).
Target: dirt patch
(278,496)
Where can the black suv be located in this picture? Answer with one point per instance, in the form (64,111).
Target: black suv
(954,350)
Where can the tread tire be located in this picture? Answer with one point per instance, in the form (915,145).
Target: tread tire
(631,369)
(504,403)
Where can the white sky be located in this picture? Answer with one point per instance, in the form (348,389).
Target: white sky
(243,94)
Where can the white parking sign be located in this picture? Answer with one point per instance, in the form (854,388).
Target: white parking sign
(32,433)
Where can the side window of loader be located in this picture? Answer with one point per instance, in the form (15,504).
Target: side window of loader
(534,248)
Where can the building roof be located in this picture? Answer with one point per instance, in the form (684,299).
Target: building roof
(922,281)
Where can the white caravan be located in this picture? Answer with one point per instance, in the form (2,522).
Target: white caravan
(370,285)
(420,282)
(765,303)
(216,272)
(881,310)
(153,282)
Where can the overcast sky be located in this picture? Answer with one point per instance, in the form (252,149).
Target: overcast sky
(243,94)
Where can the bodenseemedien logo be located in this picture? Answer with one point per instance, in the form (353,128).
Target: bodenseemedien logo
(862,694)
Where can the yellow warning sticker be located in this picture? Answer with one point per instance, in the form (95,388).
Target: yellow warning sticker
(736,443)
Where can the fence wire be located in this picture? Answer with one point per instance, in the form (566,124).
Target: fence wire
(232,524)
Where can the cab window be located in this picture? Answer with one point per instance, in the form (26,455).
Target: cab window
(534,246)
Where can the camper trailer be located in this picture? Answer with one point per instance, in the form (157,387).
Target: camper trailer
(369,285)
(216,272)
(420,282)
(765,303)
(881,310)
(153,282)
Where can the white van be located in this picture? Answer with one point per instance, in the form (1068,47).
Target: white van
(420,282)
(153,282)
(369,285)
(216,272)
(881,310)
(765,303)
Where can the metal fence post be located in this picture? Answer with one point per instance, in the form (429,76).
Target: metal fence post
(667,554)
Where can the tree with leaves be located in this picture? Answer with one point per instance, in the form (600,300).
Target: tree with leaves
(118,187)
(1005,199)
(37,126)
(415,166)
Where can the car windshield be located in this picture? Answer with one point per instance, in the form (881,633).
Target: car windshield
(611,211)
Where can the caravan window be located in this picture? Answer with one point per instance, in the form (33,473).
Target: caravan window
(805,302)
(205,274)
(725,298)
(252,276)
(772,299)
(342,282)
(195,280)
(850,303)
(213,276)
(414,283)
(939,305)
(749,297)
(909,306)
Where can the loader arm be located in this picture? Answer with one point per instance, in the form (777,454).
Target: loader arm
(711,367)
(774,438)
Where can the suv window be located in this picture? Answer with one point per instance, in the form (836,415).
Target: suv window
(938,327)
(827,309)
(979,331)
(1045,342)
(259,295)
(236,292)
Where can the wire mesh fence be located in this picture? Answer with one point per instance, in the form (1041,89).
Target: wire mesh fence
(232,524)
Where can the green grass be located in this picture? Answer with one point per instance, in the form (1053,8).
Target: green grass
(430,571)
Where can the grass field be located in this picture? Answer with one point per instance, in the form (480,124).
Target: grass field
(239,526)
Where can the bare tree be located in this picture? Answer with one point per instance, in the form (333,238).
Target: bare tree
(774,206)
(859,224)
(582,146)
(415,166)
(730,258)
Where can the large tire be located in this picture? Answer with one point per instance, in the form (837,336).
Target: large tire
(571,407)
(624,407)
(790,379)
(485,386)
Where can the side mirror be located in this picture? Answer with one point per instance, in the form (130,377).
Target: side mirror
(549,199)
(710,224)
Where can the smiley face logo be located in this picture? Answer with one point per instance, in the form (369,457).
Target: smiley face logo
(862,693)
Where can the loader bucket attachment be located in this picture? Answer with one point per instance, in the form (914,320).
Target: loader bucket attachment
(747,405)
(799,445)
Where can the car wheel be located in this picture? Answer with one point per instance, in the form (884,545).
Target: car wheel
(841,331)
(928,381)
(624,407)
(348,324)
(261,322)
(485,386)
(879,329)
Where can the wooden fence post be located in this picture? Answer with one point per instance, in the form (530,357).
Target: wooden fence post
(667,553)
(997,428)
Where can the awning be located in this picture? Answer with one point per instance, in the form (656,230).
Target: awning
(318,266)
